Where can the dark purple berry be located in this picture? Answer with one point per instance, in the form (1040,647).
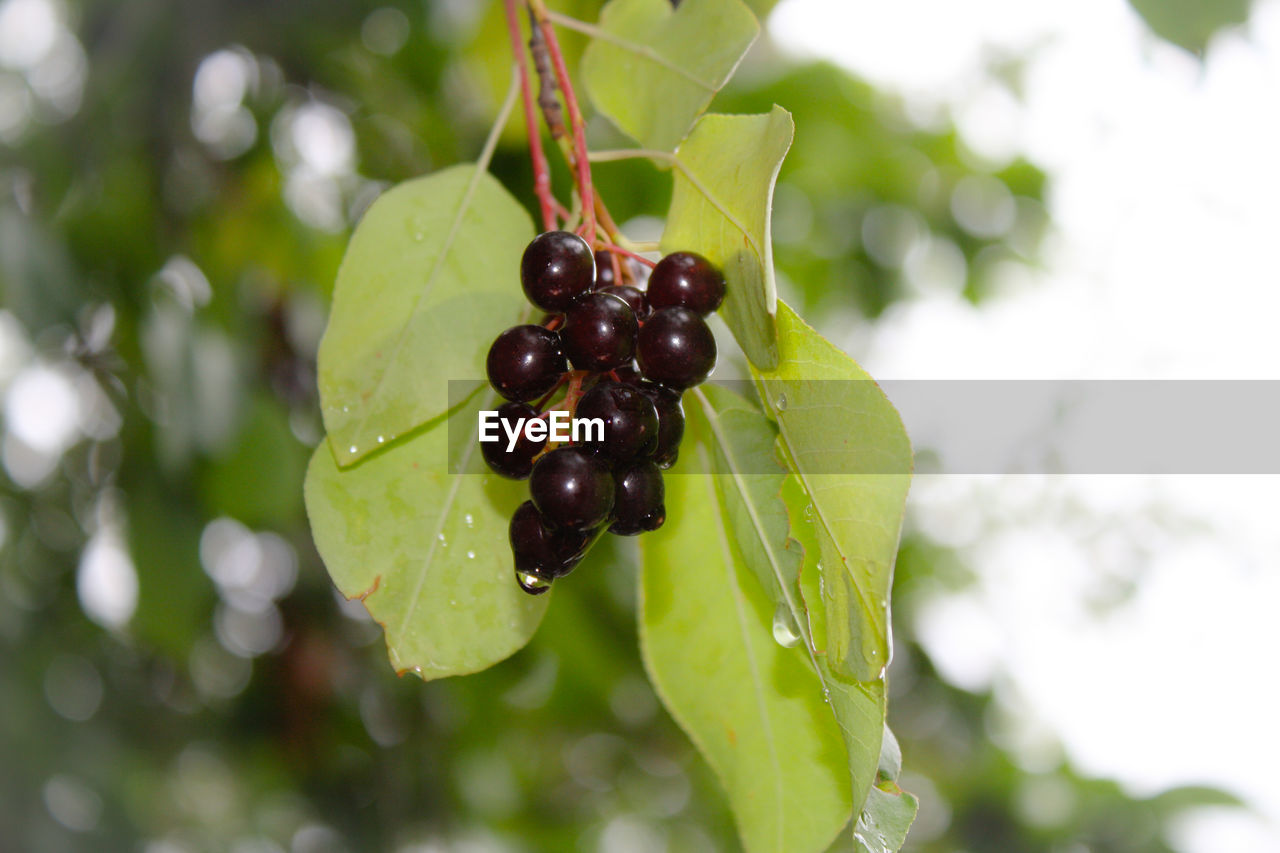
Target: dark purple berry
(542,550)
(517,462)
(572,487)
(633,296)
(556,269)
(628,374)
(676,348)
(525,362)
(670,422)
(687,280)
(604,270)
(630,419)
(639,505)
(599,333)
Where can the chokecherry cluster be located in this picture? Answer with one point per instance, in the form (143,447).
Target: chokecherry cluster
(623,355)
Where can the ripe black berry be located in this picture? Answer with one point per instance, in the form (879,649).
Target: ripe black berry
(599,333)
(525,362)
(630,419)
(639,504)
(633,296)
(557,267)
(518,462)
(688,280)
(670,422)
(541,550)
(676,348)
(604,270)
(572,487)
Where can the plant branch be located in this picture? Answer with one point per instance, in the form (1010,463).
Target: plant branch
(576,124)
(504,114)
(541,170)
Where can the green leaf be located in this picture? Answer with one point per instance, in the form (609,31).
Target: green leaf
(753,510)
(1191,23)
(888,811)
(428,280)
(744,443)
(847,446)
(720,208)
(425,549)
(753,708)
(653,70)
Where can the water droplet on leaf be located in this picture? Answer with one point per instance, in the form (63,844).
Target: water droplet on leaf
(781,403)
(354,449)
(785,630)
(471,555)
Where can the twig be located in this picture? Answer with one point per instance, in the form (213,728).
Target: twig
(539,11)
(541,169)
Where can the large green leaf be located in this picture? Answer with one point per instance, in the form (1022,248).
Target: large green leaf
(750,484)
(653,70)
(425,548)
(720,207)
(846,444)
(753,708)
(428,280)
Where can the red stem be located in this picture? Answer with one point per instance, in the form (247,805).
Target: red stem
(618,250)
(541,170)
(576,125)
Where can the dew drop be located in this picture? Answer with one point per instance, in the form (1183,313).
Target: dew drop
(781,403)
(531,583)
(808,512)
(443,543)
(471,555)
(785,630)
(354,449)
(381,439)
(469,520)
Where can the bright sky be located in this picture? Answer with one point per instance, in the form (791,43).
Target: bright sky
(1165,183)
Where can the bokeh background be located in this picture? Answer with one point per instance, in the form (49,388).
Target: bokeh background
(990,189)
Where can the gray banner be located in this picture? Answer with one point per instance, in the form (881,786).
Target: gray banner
(1011,427)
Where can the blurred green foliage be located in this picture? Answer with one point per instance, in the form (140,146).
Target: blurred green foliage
(168,246)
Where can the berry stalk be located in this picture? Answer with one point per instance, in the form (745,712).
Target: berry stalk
(541,169)
(576,124)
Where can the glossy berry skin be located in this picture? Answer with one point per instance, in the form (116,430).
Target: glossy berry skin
(572,487)
(633,296)
(676,348)
(518,463)
(687,280)
(540,549)
(604,270)
(557,268)
(639,506)
(599,333)
(630,419)
(525,362)
(670,422)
